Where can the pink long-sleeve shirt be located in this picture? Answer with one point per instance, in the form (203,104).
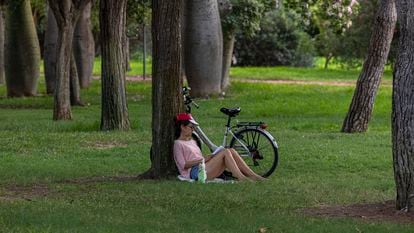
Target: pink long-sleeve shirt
(185,151)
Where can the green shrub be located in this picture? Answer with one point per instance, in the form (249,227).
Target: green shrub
(279,42)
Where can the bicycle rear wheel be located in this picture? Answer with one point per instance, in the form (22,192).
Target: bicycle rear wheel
(262,156)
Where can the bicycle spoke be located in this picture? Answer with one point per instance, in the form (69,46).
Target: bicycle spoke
(262,154)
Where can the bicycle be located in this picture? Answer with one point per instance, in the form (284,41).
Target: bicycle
(255,145)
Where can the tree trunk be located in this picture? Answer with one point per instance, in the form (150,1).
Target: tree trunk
(114,102)
(2,44)
(22,51)
(328,58)
(126,53)
(183,30)
(49,55)
(84,47)
(403,107)
(62,109)
(362,104)
(125,45)
(204,47)
(74,84)
(167,98)
(66,13)
(228,46)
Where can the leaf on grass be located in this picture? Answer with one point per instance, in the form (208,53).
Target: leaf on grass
(262,229)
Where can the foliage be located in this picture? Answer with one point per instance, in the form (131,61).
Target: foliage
(279,42)
(354,43)
(244,16)
(327,21)
(138,14)
(337,12)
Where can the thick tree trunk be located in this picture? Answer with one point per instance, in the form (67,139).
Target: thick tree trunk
(66,13)
(166,85)
(403,107)
(183,26)
(126,53)
(74,84)
(204,47)
(362,104)
(49,55)
(2,45)
(228,46)
(22,50)
(62,109)
(84,47)
(114,102)
(125,45)
(225,8)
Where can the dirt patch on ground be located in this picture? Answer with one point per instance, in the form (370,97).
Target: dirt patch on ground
(99,179)
(384,211)
(10,193)
(300,82)
(106,145)
(308,82)
(15,192)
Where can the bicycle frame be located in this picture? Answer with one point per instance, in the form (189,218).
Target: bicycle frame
(203,137)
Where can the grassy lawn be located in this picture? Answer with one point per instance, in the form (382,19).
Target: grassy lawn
(317,73)
(318,166)
(294,73)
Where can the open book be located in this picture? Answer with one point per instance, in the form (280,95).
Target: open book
(217,150)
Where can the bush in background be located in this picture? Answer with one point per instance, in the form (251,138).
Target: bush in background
(281,41)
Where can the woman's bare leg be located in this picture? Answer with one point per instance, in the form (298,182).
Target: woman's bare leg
(244,168)
(216,165)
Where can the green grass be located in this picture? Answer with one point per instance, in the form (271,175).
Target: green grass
(136,67)
(294,73)
(317,73)
(318,165)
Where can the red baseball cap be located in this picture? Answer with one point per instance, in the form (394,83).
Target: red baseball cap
(185,117)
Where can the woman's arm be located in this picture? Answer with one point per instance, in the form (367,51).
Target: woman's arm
(208,157)
(189,164)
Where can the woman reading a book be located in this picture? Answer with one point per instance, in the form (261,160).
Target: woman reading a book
(187,155)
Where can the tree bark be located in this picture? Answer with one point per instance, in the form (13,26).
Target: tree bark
(22,51)
(362,104)
(125,45)
(84,47)
(167,98)
(403,107)
(204,47)
(2,31)
(50,52)
(183,26)
(74,84)
(114,103)
(66,13)
(228,46)
(225,8)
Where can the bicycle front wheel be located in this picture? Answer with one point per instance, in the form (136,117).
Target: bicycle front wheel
(262,155)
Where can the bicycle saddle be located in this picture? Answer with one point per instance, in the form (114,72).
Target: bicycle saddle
(232,112)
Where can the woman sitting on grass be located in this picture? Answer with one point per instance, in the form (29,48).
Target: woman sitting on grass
(187,155)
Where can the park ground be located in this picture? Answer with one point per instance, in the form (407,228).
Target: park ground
(71,177)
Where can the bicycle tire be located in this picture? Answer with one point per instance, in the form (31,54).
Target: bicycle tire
(263,150)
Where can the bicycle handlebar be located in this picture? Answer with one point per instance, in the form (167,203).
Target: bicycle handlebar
(187,98)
